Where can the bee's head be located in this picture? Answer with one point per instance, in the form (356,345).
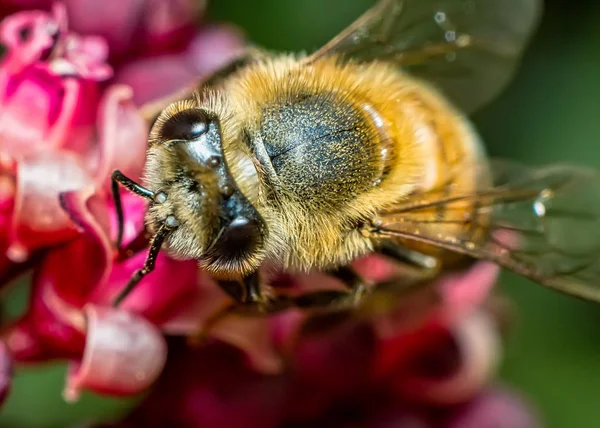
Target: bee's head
(196,195)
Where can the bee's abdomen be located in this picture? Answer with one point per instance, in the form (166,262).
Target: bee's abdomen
(321,148)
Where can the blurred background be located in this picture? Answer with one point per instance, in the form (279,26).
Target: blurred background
(551,112)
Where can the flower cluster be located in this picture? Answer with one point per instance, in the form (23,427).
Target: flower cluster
(427,363)
(72,85)
(74,82)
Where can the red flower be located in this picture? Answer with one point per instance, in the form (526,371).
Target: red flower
(58,128)
(69,315)
(425,364)
(154,77)
(65,125)
(142,25)
(155,46)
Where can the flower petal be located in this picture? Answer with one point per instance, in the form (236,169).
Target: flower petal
(334,352)
(38,217)
(213,47)
(169,24)
(28,4)
(31,105)
(396,418)
(93,276)
(497,407)
(91,252)
(159,296)
(23,342)
(86,57)
(331,359)
(160,77)
(458,369)
(44,111)
(7,194)
(51,328)
(124,354)
(376,268)
(122,135)
(211,387)
(252,335)
(465,291)
(134,210)
(114,20)
(156,77)
(101,276)
(428,309)
(30,35)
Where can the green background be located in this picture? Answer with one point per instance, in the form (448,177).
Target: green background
(549,113)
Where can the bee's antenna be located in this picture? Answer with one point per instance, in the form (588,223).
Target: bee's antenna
(149,264)
(119,178)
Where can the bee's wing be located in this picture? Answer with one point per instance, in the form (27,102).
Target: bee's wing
(543,223)
(467,48)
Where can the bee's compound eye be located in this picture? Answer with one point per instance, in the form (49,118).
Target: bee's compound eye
(185,125)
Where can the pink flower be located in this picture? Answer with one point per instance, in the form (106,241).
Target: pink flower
(154,46)
(12,6)
(63,129)
(423,364)
(141,25)
(70,317)
(65,124)
(158,76)
(58,128)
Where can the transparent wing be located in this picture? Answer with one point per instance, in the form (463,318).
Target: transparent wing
(542,223)
(467,48)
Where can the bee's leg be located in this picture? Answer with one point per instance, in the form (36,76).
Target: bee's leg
(119,178)
(245,291)
(418,269)
(201,334)
(246,296)
(348,277)
(325,299)
(357,286)
(422,268)
(148,267)
(249,300)
(408,257)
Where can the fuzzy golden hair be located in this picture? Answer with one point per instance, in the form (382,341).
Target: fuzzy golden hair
(413,136)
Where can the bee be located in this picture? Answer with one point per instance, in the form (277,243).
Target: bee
(308,162)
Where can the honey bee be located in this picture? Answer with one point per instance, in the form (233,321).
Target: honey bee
(308,162)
